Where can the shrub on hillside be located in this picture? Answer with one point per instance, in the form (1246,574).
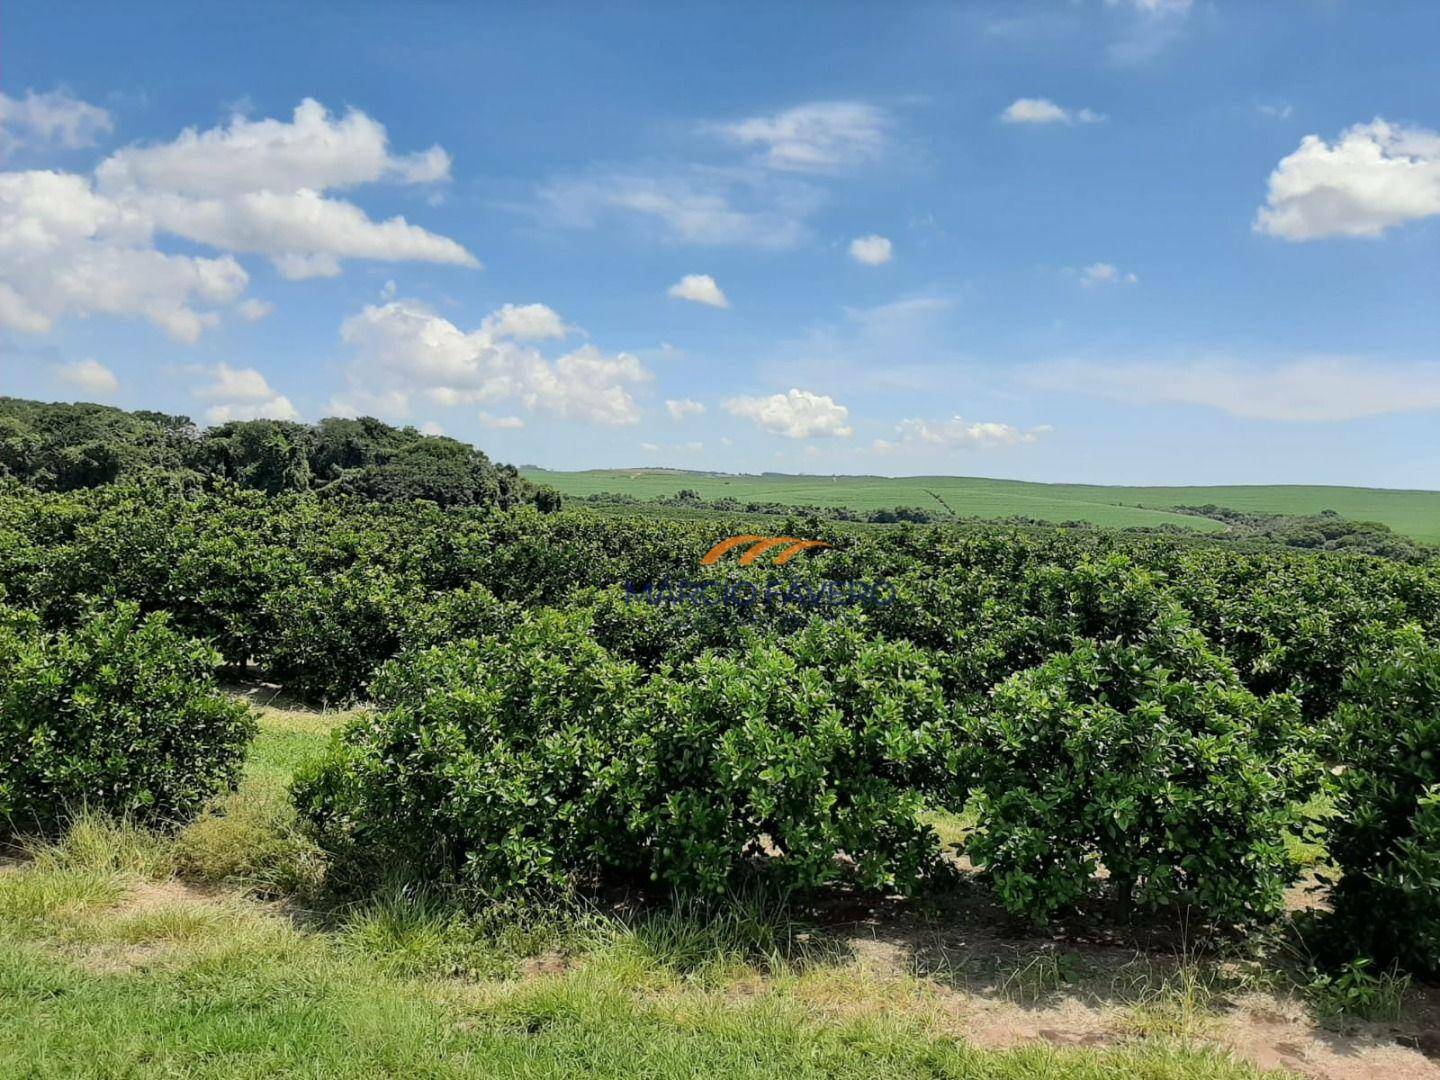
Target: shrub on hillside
(998,617)
(330,633)
(1297,626)
(806,759)
(473,612)
(1386,838)
(544,760)
(1149,760)
(657,633)
(120,714)
(123,545)
(483,769)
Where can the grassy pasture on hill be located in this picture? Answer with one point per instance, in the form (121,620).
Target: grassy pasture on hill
(1411,513)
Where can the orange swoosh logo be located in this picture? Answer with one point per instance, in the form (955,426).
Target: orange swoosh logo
(758,546)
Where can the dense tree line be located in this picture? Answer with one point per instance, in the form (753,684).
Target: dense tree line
(64,447)
(690,499)
(1325,531)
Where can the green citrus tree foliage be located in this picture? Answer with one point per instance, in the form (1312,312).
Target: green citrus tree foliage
(1149,761)
(119,714)
(1386,838)
(541,760)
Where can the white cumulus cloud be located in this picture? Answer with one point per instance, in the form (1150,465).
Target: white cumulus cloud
(71,244)
(235,385)
(275,408)
(241,394)
(699,289)
(303,233)
(390,404)
(404,348)
(1374,177)
(66,250)
(673,448)
(872,250)
(1045,111)
(797,414)
(524,322)
(88,376)
(313,151)
(258,186)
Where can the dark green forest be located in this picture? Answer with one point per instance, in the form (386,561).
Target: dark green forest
(64,447)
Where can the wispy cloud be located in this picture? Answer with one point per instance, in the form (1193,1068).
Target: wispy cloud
(819,136)
(1313,389)
(679,408)
(907,344)
(51,119)
(759,199)
(1275,110)
(957,434)
(1148,28)
(691,205)
(1103,273)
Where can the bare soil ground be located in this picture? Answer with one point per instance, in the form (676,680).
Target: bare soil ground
(1003,986)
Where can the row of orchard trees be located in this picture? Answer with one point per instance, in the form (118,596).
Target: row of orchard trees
(1155,708)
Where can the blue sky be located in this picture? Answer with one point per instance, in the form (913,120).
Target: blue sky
(1140,241)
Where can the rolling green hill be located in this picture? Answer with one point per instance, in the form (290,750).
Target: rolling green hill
(1411,513)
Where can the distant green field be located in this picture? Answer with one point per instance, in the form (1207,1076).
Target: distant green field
(1413,513)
